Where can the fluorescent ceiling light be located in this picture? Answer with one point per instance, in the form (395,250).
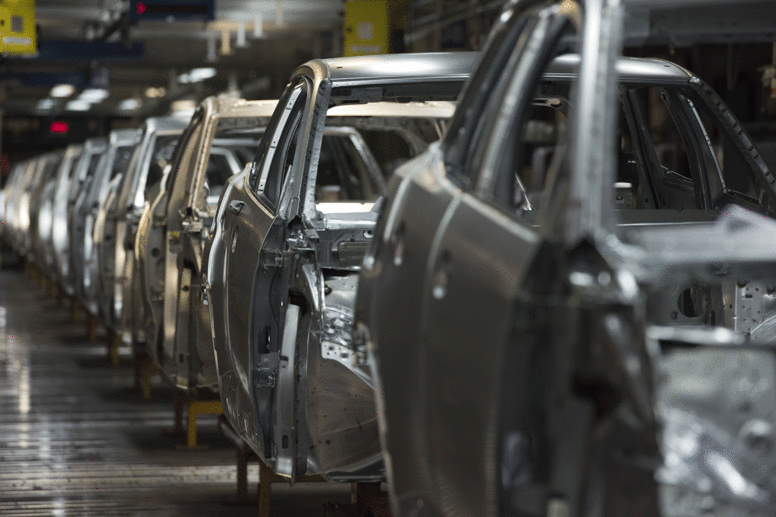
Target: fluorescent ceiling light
(78,105)
(93,95)
(129,104)
(153,93)
(63,90)
(197,75)
(200,74)
(46,104)
(183,105)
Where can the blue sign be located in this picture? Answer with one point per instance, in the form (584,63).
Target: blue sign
(100,51)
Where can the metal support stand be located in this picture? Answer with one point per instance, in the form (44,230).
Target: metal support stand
(53,289)
(75,310)
(114,342)
(91,327)
(189,401)
(144,370)
(243,454)
(200,408)
(60,296)
(366,500)
(267,477)
(179,403)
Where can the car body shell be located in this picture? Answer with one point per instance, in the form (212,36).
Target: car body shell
(30,201)
(491,302)
(168,243)
(13,189)
(280,268)
(52,219)
(117,217)
(85,169)
(85,212)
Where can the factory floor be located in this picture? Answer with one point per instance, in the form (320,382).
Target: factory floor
(77,439)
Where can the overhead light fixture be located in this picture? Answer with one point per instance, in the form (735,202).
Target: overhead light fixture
(197,75)
(93,95)
(62,90)
(258,27)
(46,104)
(241,42)
(211,50)
(183,105)
(129,104)
(183,108)
(226,45)
(155,93)
(78,105)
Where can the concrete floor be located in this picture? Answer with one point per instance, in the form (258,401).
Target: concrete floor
(76,439)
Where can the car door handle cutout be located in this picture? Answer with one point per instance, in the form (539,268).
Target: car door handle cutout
(236,206)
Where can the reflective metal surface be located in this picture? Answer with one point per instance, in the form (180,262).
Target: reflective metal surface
(76,440)
(119,212)
(221,138)
(92,193)
(60,239)
(521,380)
(86,168)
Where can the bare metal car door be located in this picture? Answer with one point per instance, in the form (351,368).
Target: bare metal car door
(476,276)
(252,230)
(454,284)
(226,145)
(151,243)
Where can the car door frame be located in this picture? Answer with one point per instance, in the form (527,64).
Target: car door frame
(472,276)
(260,378)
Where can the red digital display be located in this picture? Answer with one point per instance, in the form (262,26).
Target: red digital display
(59,127)
(171,10)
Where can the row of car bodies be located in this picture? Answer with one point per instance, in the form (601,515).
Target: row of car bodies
(152,251)
(493,327)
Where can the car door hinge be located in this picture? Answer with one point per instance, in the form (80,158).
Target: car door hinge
(264,378)
(265,375)
(271,258)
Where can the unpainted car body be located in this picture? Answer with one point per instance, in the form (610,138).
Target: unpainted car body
(285,247)
(222,137)
(64,211)
(522,379)
(29,204)
(118,215)
(95,187)
(52,216)
(13,188)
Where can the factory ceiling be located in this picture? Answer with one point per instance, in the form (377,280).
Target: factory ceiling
(139,68)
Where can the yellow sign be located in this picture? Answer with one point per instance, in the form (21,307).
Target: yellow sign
(366,27)
(17,27)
